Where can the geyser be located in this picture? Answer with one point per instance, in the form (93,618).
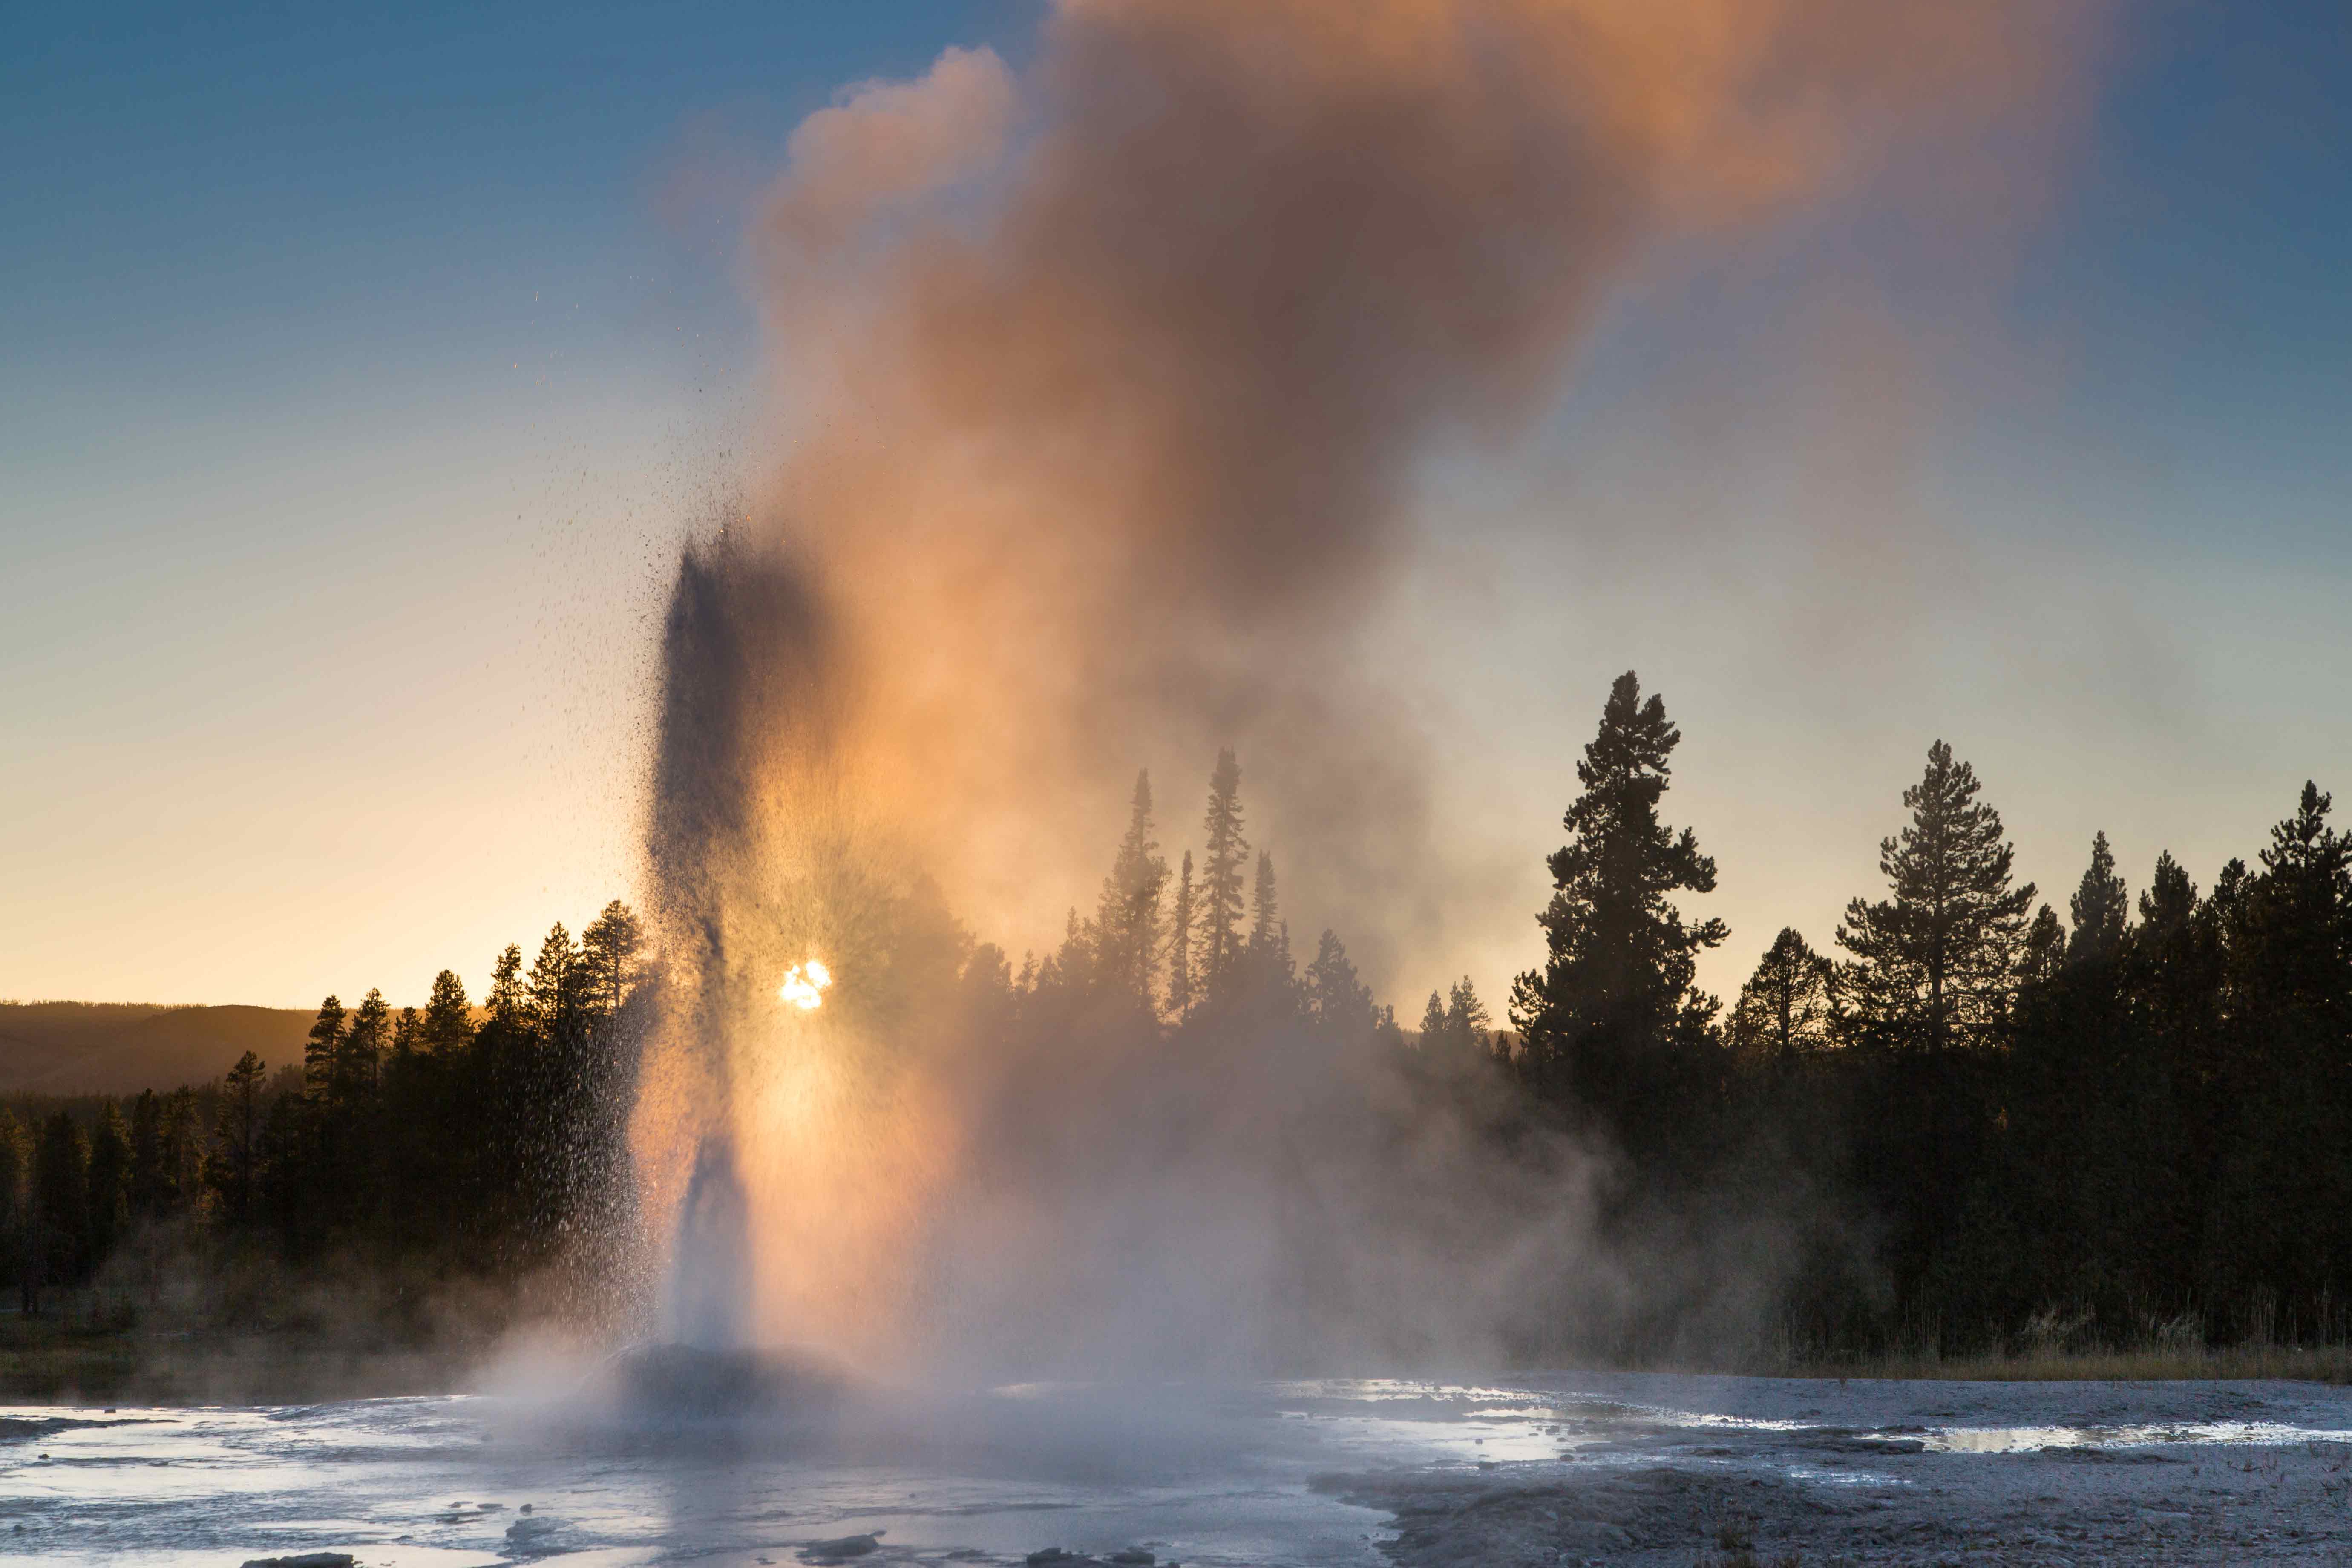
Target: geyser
(1104,389)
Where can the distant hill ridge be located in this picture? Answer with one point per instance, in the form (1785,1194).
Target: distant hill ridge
(121,1048)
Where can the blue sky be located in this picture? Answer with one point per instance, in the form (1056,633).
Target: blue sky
(359,369)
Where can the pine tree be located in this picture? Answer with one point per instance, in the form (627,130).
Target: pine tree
(1466,1018)
(2100,907)
(282,1176)
(1126,925)
(608,951)
(505,1004)
(555,985)
(1433,1039)
(235,1168)
(323,1051)
(1180,945)
(1455,1024)
(2229,891)
(1274,973)
(2042,953)
(1068,970)
(1265,906)
(1221,872)
(407,1033)
(151,1192)
(359,1063)
(60,1202)
(1338,1002)
(449,1020)
(1784,1010)
(109,1193)
(335,1149)
(16,1196)
(2170,899)
(539,1099)
(2302,906)
(183,1155)
(1613,1020)
(1933,965)
(2283,1204)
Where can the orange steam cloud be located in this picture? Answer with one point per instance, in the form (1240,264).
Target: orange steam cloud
(1104,386)
(1102,389)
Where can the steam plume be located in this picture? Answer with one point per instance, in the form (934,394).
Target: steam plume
(1105,385)
(1104,388)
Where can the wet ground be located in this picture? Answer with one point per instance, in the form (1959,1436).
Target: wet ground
(1634,1469)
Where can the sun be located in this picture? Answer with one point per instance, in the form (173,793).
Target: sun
(804,986)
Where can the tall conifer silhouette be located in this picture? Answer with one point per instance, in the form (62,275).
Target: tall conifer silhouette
(1179,944)
(1611,1022)
(1223,867)
(1127,924)
(323,1050)
(1933,964)
(2101,907)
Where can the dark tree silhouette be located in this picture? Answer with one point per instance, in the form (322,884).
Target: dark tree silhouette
(151,1191)
(1613,1022)
(505,1002)
(448,1019)
(108,1192)
(608,952)
(16,1199)
(322,1054)
(1785,1009)
(182,1146)
(1933,964)
(235,1167)
(2042,951)
(58,1252)
(1337,1001)
(1453,1026)
(1127,924)
(2100,907)
(1180,945)
(361,1060)
(557,980)
(1224,858)
(2282,1208)
(1274,976)
(2170,898)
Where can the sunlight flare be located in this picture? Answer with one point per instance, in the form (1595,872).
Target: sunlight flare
(804,986)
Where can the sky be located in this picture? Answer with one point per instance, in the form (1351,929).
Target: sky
(359,372)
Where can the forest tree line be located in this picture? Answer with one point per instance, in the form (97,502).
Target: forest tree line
(2131,1121)
(1974,1116)
(486,1138)
(1976,1120)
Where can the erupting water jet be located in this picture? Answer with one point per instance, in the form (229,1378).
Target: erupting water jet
(709,1280)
